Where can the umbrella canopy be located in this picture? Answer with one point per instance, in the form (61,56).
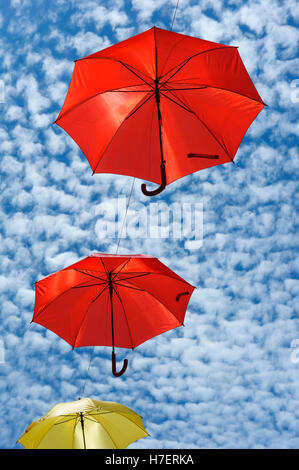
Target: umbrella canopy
(112,300)
(159,106)
(85,424)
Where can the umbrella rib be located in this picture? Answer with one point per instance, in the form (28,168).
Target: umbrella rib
(236,92)
(115,90)
(51,301)
(124,64)
(186,89)
(118,295)
(98,295)
(126,417)
(89,285)
(204,85)
(137,75)
(158,300)
(152,295)
(186,108)
(127,91)
(129,287)
(159,274)
(162,303)
(88,274)
(184,62)
(138,107)
(90,419)
(118,129)
(109,435)
(126,86)
(66,420)
(95,413)
(85,315)
(153,273)
(125,264)
(121,89)
(169,54)
(133,277)
(104,267)
(179,68)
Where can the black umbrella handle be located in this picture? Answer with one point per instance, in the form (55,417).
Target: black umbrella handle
(162,186)
(123,369)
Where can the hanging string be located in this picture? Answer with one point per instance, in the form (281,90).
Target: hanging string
(125,216)
(173,18)
(87,373)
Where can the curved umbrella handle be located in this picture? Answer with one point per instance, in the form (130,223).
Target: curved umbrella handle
(162,186)
(123,369)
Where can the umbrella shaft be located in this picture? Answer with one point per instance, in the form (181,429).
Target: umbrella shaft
(111,308)
(82,426)
(157,96)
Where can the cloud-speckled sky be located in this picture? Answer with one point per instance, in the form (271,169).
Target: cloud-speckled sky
(227,379)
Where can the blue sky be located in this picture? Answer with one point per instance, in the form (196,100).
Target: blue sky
(226,379)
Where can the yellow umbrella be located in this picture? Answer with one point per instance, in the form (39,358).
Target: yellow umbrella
(85,424)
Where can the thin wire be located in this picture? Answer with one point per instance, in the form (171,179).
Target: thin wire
(177,4)
(87,372)
(129,200)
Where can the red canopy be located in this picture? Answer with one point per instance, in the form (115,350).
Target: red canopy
(159,106)
(112,300)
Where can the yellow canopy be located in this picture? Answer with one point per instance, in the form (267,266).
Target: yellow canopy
(85,424)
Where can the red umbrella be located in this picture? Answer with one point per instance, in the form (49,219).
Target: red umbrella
(159,106)
(112,300)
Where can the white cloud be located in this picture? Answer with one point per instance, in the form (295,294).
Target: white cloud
(55,142)
(54,69)
(25,297)
(14,113)
(91,12)
(36,102)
